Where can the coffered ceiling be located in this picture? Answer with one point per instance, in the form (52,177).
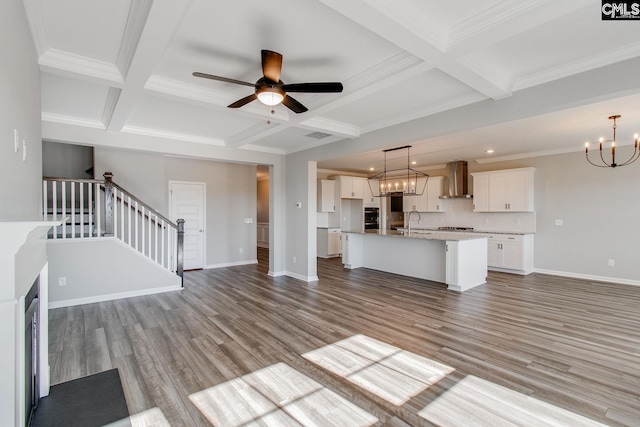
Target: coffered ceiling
(125,66)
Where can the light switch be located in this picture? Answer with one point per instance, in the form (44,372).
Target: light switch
(298,205)
(248,220)
(559,222)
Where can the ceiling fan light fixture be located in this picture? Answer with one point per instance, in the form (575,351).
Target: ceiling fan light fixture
(270,95)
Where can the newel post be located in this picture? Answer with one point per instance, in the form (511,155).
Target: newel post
(108,204)
(180,249)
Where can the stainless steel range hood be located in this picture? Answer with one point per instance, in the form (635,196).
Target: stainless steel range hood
(458,177)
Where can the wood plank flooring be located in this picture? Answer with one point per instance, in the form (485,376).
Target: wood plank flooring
(533,350)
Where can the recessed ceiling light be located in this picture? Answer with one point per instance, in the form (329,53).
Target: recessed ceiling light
(489,151)
(414,162)
(372,169)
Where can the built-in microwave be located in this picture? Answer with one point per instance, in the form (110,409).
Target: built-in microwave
(371,218)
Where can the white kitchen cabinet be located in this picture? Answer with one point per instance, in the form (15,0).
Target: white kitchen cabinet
(480,192)
(429,200)
(351,187)
(435,189)
(508,190)
(326,195)
(368,200)
(512,253)
(329,244)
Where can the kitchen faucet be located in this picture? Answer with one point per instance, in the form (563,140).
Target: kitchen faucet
(409,220)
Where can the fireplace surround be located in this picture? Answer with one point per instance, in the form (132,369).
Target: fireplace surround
(23,275)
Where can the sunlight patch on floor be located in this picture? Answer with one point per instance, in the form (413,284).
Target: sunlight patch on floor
(150,418)
(277,395)
(474,401)
(387,371)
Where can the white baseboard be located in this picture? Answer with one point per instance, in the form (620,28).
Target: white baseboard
(301,277)
(231,264)
(588,277)
(276,273)
(110,297)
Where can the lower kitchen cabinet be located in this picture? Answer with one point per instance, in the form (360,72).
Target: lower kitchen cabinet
(329,244)
(511,253)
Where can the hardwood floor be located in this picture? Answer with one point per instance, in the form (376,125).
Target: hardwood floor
(361,347)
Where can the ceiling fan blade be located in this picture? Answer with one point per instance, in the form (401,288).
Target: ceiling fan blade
(325,87)
(244,101)
(293,105)
(271,65)
(222,79)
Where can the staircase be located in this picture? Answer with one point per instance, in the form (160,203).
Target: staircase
(97,209)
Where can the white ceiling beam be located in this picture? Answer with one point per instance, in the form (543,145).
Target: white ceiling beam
(161,23)
(391,28)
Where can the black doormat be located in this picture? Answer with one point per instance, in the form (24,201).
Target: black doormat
(96,400)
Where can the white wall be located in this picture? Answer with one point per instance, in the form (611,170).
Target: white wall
(231,195)
(102,269)
(20,186)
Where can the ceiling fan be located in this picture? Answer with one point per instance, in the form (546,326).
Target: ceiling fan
(270,90)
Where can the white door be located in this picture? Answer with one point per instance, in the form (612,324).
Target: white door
(187,201)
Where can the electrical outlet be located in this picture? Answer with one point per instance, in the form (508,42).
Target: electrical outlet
(240,250)
(612,263)
(294,259)
(248,220)
(62,281)
(559,222)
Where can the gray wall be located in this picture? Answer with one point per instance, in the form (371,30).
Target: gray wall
(21,182)
(600,209)
(231,195)
(263,200)
(66,160)
(99,269)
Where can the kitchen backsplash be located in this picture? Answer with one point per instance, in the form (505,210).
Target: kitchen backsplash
(459,213)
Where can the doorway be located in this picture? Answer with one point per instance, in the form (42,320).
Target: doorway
(187,201)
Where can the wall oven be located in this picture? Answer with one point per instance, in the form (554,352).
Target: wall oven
(371,218)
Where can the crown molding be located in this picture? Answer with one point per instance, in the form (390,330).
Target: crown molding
(55,60)
(263,149)
(138,14)
(171,135)
(491,18)
(530,154)
(609,57)
(35,16)
(110,104)
(75,121)
(332,127)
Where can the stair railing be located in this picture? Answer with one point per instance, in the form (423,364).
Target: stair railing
(96,208)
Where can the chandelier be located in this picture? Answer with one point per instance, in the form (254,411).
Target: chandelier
(398,182)
(612,163)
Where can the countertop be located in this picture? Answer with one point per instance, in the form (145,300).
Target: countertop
(518,233)
(444,235)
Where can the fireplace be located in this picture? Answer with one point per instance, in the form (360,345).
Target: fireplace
(24,363)
(31,348)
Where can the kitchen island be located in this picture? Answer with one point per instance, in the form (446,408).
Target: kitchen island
(460,261)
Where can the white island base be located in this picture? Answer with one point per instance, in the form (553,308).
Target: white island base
(460,263)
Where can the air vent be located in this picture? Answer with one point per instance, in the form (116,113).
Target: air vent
(318,135)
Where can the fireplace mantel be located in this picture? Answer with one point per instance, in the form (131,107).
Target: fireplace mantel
(23,259)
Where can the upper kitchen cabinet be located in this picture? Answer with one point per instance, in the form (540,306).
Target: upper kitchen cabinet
(326,195)
(351,187)
(509,190)
(435,189)
(430,200)
(369,201)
